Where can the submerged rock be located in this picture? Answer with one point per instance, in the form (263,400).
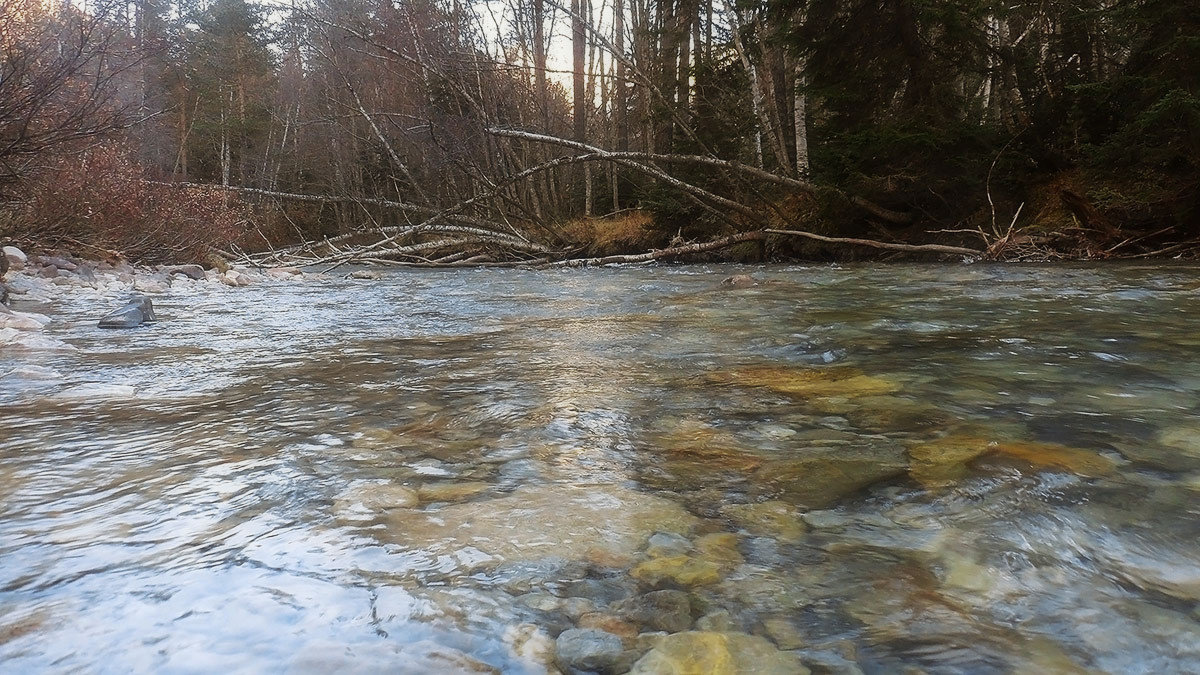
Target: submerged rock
(772,518)
(669,610)
(819,477)
(705,653)
(538,521)
(589,649)
(367,501)
(679,570)
(609,624)
(721,549)
(838,381)
(943,461)
(739,281)
(1185,439)
(663,544)
(451,492)
(137,311)
(891,413)
(530,645)
(707,447)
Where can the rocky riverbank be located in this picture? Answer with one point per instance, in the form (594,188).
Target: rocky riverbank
(33,282)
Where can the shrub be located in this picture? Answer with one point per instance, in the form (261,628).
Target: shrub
(99,198)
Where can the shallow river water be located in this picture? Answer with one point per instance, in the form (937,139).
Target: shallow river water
(894,469)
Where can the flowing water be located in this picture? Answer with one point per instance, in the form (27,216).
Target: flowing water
(941,468)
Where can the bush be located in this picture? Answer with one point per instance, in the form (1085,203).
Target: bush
(100,199)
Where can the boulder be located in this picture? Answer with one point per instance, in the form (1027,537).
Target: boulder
(14,257)
(368,275)
(137,311)
(195,272)
(739,281)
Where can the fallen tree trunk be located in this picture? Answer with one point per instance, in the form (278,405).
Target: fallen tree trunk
(674,252)
(910,248)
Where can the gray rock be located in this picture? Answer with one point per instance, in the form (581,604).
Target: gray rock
(59,262)
(669,611)
(137,311)
(49,271)
(369,275)
(190,271)
(589,649)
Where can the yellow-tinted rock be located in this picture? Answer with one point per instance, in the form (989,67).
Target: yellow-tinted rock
(812,382)
(774,519)
(1186,439)
(680,569)
(704,653)
(696,441)
(942,462)
(1082,462)
(450,492)
(720,548)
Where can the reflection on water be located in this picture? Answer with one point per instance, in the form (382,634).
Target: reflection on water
(958,469)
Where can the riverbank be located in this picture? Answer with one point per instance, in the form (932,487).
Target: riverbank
(34,281)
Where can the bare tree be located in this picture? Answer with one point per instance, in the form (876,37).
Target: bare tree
(58,76)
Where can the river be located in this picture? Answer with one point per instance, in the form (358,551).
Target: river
(947,468)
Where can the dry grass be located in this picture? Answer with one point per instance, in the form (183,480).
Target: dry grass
(624,231)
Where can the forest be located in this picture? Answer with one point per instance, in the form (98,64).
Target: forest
(427,132)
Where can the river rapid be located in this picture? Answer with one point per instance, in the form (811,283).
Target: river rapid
(944,469)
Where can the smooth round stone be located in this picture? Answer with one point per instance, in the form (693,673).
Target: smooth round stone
(589,649)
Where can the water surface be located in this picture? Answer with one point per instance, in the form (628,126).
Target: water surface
(955,468)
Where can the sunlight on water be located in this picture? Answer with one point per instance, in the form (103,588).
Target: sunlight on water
(958,469)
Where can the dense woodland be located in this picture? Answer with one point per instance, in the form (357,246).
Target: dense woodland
(443,132)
